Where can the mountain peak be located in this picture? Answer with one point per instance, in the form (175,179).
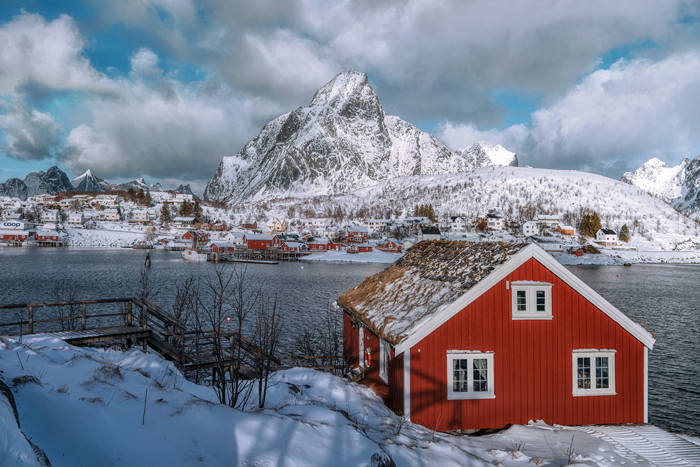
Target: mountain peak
(350,95)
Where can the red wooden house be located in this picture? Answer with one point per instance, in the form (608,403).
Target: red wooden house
(319,244)
(222,247)
(359,248)
(258,241)
(15,235)
(199,237)
(252,226)
(294,247)
(46,236)
(389,246)
(358,234)
(459,335)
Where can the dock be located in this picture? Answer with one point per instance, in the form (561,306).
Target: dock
(138,320)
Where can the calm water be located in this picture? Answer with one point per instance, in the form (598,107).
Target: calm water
(663,298)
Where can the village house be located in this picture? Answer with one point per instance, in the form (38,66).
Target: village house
(389,246)
(458,225)
(258,241)
(221,247)
(15,235)
(107,200)
(606,237)
(429,233)
(234,236)
(180,198)
(16,224)
(76,218)
(182,222)
(140,215)
(358,234)
(249,226)
(548,221)
(376,225)
(293,247)
(317,223)
(51,215)
(530,228)
(112,215)
(548,244)
(566,229)
(274,226)
(458,335)
(495,222)
(329,232)
(195,237)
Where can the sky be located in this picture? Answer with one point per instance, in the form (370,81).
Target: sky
(165,88)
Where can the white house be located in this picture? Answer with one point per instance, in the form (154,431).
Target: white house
(16,224)
(495,222)
(51,215)
(76,218)
(530,228)
(458,225)
(107,200)
(183,221)
(429,233)
(111,215)
(606,237)
(329,232)
(375,225)
(318,223)
(548,220)
(140,215)
(549,244)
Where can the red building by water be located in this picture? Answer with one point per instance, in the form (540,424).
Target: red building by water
(459,335)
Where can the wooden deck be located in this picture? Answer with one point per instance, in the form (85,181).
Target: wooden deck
(110,333)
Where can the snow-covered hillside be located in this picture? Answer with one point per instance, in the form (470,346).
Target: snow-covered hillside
(520,192)
(342,141)
(88,407)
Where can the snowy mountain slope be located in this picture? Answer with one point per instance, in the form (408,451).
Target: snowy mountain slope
(52,181)
(138,184)
(677,185)
(87,182)
(342,141)
(484,154)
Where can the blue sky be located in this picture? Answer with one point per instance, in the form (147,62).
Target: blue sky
(165,88)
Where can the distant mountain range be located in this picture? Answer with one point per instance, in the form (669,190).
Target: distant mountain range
(342,141)
(55,180)
(679,185)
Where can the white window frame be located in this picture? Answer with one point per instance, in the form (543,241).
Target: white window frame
(384,360)
(453,355)
(592,354)
(531,288)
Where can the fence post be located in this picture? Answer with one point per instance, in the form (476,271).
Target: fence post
(83,310)
(30,320)
(182,346)
(128,314)
(144,324)
(230,349)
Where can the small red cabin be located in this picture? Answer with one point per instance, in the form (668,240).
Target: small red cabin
(319,244)
(14,235)
(459,335)
(258,241)
(199,237)
(46,236)
(389,246)
(294,247)
(222,247)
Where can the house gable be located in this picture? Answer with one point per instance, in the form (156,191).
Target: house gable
(430,324)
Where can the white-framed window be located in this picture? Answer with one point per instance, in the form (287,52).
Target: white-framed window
(593,372)
(531,300)
(384,360)
(469,375)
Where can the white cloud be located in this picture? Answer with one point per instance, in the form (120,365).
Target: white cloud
(613,120)
(28,134)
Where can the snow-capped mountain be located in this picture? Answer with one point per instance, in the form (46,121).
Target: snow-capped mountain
(186,190)
(677,185)
(484,154)
(138,184)
(342,141)
(52,181)
(87,182)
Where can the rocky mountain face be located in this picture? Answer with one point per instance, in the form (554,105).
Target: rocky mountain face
(87,182)
(484,154)
(52,181)
(342,141)
(185,189)
(679,185)
(138,184)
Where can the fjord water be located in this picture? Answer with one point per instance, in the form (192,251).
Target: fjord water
(663,298)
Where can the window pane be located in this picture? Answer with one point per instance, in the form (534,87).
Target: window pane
(480,375)
(460,375)
(522,300)
(584,373)
(540,300)
(602,379)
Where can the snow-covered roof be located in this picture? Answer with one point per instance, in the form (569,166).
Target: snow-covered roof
(608,232)
(435,280)
(428,278)
(259,236)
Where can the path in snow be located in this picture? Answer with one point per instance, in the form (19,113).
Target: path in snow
(637,442)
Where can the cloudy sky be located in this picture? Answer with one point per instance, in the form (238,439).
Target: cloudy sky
(165,88)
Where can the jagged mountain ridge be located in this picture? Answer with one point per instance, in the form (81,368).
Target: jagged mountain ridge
(52,181)
(87,182)
(679,185)
(342,141)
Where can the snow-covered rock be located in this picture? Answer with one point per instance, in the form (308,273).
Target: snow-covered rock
(138,184)
(342,141)
(483,154)
(676,185)
(87,182)
(52,181)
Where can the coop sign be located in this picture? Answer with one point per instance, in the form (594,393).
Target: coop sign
(12,225)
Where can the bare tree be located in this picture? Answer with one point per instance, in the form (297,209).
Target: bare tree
(68,314)
(269,324)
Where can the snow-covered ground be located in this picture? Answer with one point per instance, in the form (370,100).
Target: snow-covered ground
(87,407)
(375,256)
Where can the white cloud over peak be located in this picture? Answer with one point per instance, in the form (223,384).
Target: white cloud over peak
(613,120)
(28,134)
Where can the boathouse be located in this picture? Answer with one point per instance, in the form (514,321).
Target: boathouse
(258,241)
(458,335)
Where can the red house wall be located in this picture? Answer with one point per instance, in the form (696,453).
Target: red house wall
(258,244)
(533,376)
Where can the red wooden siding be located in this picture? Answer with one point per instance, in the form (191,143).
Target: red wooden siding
(533,376)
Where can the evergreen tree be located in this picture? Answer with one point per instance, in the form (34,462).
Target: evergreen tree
(197,212)
(148,200)
(595,224)
(165,213)
(625,233)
